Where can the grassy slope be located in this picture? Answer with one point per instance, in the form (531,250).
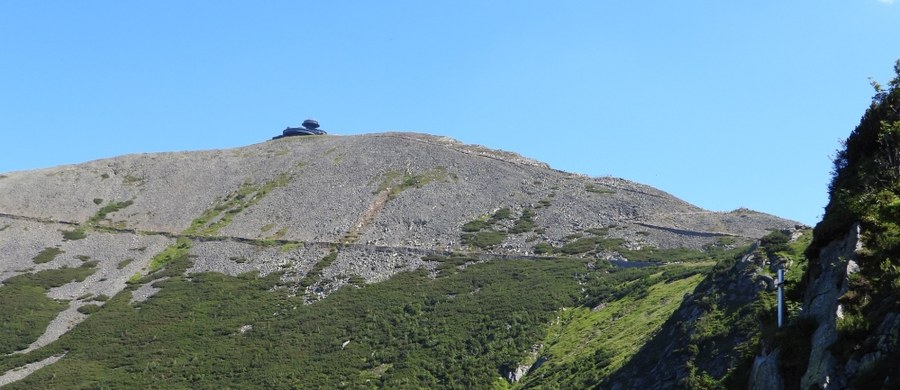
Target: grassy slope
(585,345)
(411,331)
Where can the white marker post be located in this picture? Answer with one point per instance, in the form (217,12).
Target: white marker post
(780,294)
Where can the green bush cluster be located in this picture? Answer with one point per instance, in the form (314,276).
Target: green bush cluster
(47,255)
(481,233)
(78,233)
(581,245)
(525,223)
(88,309)
(112,207)
(448,264)
(483,239)
(776,241)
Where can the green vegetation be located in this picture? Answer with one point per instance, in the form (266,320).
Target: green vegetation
(314,275)
(88,309)
(617,283)
(90,264)
(710,253)
(179,250)
(598,244)
(124,263)
(475,225)
(584,346)
(96,221)
(78,233)
(482,233)
(101,298)
(593,189)
(47,255)
(112,207)
(133,180)
(865,188)
(284,248)
(461,330)
(268,242)
(449,264)
(542,248)
(588,244)
(221,215)
(279,234)
(599,232)
(525,223)
(745,324)
(776,241)
(396,182)
(866,182)
(26,308)
(501,214)
(483,240)
(581,245)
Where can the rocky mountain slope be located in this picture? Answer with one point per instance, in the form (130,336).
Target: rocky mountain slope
(394,195)
(318,213)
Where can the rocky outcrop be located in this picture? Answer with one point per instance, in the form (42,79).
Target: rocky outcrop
(828,282)
(532,362)
(765,374)
(885,352)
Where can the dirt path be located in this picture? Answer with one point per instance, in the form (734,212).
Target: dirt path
(365,220)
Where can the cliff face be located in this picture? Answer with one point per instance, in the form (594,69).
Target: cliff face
(846,335)
(829,279)
(844,353)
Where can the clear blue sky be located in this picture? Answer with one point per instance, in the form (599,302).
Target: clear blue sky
(724,104)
